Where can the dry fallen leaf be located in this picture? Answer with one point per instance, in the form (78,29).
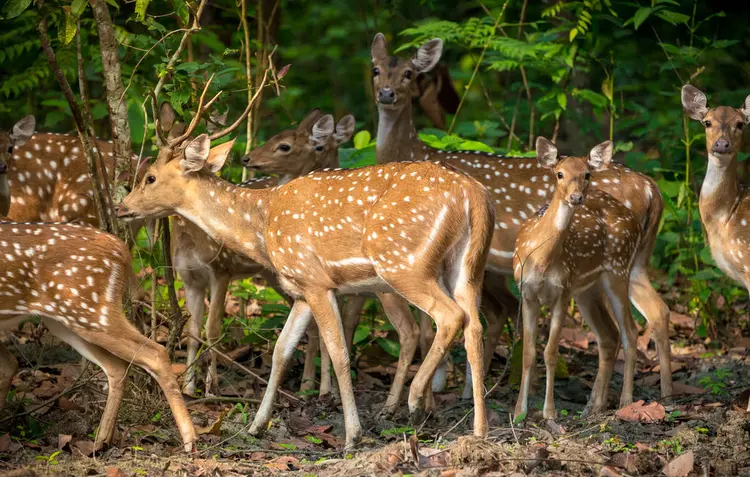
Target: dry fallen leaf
(740,402)
(83,448)
(68,405)
(114,472)
(284,463)
(682,388)
(640,412)
(214,428)
(63,440)
(609,471)
(680,466)
(4,442)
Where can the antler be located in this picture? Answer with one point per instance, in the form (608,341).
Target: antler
(201,108)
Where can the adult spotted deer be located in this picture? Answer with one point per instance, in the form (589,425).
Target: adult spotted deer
(583,243)
(204,263)
(421,230)
(10,141)
(73,278)
(724,203)
(519,188)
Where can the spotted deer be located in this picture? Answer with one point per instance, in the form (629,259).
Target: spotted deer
(73,278)
(519,188)
(204,263)
(10,141)
(724,203)
(421,230)
(582,244)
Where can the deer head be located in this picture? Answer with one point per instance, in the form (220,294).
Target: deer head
(18,136)
(723,124)
(392,76)
(573,173)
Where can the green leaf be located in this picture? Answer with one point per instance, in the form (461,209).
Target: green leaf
(673,17)
(640,16)
(519,418)
(189,67)
(592,97)
(562,100)
(67,30)
(181,9)
(706,274)
(389,346)
(78,7)
(114,4)
(361,333)
(624,146)
(573,34)
(140,9)
(362,139)
(13,8)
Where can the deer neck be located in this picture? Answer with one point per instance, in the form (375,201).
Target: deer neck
(4,194)
(548,236)
(720,190)
(233,216)
(397,139)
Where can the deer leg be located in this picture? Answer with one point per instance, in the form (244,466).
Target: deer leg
(617,292)
(115,369)
(194,295)
(608,341)
(219,286)
(530,312)
(467,296)
(426,337)
(311,352)
(8,367)
(291,334)
(326,313)
(325,371)
(551,354)
(132,347)
(400,315)
(649,304)
(352,314)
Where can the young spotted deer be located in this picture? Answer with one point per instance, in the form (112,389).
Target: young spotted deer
(519,187)
(420,230)
(583,243)
(724,203)
(19,135)
(204,263)
(73,278)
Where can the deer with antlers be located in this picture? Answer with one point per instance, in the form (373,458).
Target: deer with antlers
(583,243)
(519,188)
(421,230)
(204,263)
(724,203)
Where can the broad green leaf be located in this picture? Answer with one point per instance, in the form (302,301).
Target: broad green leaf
(640,16)
(389,346)
(140,9)
(592,97)
(607,90)
(562,100)
(190,67)
(181,9)
(573,34)
(361,333)
(673,17)
(13,8)
(67,30)
(624,146)
(114,4)
(706,274)
(362,139)
(78,7)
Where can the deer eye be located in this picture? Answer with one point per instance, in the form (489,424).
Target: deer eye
(285,147)
(318,148)
(707,124)
(150,179)
(587,176)
(375,71)
(407,74)
(559,175)
(740,125)
(10,149)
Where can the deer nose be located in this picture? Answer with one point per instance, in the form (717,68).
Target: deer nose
(386,96)
(3,167)
(246,160)
(576,198)
(721,146)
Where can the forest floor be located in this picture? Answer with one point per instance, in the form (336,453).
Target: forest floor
(701,430)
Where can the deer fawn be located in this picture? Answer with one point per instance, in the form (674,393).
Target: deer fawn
(724,204)
(203,263)
(406,228)
(73,277)
(519,187)
(584,244)
(19,135)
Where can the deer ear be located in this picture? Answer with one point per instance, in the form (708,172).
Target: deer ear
(344,129)
(379,50)
(321,130)
(167,116)
(694,102)
(546,153)
(23,130)
(217,121)
(746,110)
(218,155)
(196,154)
(177,129)
(428,55)
(307,123)
(601,156)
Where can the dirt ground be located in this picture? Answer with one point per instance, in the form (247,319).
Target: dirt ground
(702,430)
